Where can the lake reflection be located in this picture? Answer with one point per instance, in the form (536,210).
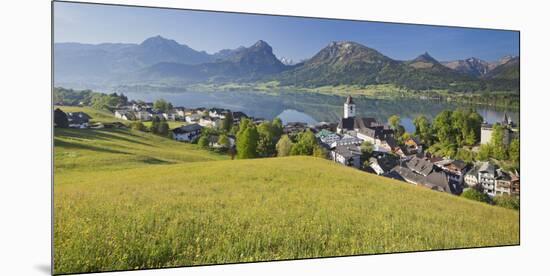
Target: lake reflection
(310,107)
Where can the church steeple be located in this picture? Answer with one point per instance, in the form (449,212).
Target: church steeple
(349,108)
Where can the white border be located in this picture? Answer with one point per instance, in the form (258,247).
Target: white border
(25,136)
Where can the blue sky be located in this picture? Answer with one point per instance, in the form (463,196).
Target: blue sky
(295,38)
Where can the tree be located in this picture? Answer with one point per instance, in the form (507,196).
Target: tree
(138,126)
(203,142)
(277,128)
(306,143)
(459,125)
(227,122)
(476,195)
(423,129)
(155,123)
(513,151)
(484,153)
(224,141)
(266,141)
(163,128)
(283,146)
(475,120)
(319,151)
(162,105)
(247,141)
(507,201)
(443,127)
(399,132)
(394,121)
(465,155)
(60,118)
(499,149)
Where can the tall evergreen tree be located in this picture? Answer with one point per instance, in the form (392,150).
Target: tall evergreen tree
(60,118)
(227,122)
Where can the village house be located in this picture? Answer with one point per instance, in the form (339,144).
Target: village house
(78,119)
(188,133)
(346,140)
(210,122)
(170,116)
(138,106)
(143,115)
(471,177)
(193,117)
(454,169)
(327,137)
(125,114)
(504,184)
(382,164)
(487,175)
(180,111)
(413,146)
(491,180)
(294,128)
(218,113)
(422,172)
(213,141)
(347,155)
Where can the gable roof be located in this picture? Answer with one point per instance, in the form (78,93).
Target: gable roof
(347,151)
(349,100)
(420,165)
(187,128)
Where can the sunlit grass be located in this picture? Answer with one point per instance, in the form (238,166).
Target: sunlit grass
(127,199)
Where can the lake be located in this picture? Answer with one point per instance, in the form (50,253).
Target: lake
(312,108)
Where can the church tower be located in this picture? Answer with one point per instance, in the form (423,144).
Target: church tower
(349,108)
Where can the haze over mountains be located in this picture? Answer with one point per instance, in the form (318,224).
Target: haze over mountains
(161,60)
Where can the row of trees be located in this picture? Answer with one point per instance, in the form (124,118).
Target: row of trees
(505,201)
(452,133)
(304,143)
(159,126)
(257,141)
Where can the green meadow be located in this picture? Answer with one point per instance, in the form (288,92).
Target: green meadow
(126,199)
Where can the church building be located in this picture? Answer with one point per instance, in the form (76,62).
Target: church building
(366,129)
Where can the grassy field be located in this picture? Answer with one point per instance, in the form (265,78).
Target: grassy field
(97,115)
(82,150)
(171,124)
(127,200)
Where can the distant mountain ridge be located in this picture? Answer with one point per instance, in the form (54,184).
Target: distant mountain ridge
(162,60)
(476,67)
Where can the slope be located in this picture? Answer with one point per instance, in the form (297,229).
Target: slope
(256,210)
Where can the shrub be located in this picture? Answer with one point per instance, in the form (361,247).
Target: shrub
(507,201)
(476,195)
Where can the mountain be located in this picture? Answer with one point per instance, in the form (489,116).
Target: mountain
(508,70)
(287,61)
(343,62)
(501,61)
(241,64)
(226,53)
(96,62)
(159,49)
(351,63)
(471,66)
(166,61)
